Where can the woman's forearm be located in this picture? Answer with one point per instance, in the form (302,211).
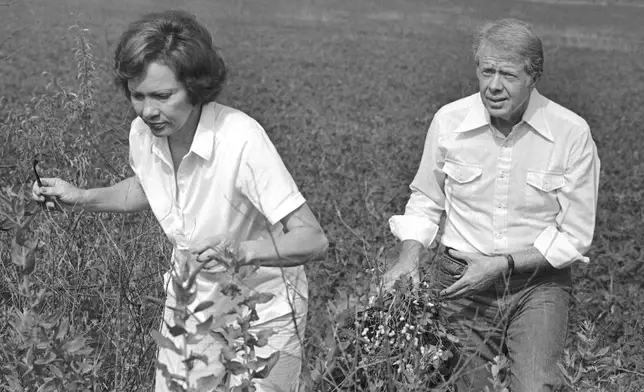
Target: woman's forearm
(125,196)
(295,248)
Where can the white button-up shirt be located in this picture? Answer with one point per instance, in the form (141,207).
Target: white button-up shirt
(231,182)
(494,194)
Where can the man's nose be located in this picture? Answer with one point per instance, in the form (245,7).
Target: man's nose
(495,83)
(150,110)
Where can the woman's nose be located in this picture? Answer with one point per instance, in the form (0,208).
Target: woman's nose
(150,110)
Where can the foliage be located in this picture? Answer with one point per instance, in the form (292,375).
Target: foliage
(398,341)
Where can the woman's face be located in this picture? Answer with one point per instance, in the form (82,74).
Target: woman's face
(162,102)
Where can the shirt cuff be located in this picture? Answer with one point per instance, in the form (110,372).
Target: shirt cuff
(409,227)
(557,249)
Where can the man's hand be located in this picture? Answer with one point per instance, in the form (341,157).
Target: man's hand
(481,272)
(407,266)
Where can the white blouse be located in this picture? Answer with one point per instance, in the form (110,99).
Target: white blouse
(231,182)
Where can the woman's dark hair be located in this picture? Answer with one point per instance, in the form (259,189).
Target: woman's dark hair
(177,40)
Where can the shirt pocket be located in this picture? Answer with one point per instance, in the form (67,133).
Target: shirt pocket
(541,191)
(461,177)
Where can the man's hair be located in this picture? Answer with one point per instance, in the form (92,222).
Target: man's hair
(514,38)
(177,40)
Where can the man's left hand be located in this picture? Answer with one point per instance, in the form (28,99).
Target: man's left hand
(481,272)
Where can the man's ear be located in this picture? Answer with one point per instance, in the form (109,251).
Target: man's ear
(534,79)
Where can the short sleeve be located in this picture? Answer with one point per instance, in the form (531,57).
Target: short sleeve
(264,179)
(134,158)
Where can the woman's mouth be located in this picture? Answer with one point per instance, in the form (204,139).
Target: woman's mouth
(156,126)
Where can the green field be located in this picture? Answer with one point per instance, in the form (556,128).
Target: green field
(346,91)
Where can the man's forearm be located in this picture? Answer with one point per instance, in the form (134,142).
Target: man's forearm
(410,252)
(125,196)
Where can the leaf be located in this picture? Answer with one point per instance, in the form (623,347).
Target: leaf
(29,261)
(81,367)
(56,371)
(164,342)
(270,363)
(176,330)
(235,368)
(452,338)
(258,298)
(48,386)
(195,357)
(495,370)
(228,353)
(17,255)
(262,337)
(62,328)
(154,300)
(204,328)
(603,351)
(230,290)
(49,358)
(203,306)
(74,345)
(207,383)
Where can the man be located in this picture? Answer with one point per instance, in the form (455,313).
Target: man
(514,177)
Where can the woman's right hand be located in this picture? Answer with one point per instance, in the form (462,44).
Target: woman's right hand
(56,193)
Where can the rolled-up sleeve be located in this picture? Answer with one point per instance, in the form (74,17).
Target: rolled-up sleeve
(427,201)
(570,237)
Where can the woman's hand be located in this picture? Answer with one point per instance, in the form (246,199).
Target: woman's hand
(58,193)
(220,250)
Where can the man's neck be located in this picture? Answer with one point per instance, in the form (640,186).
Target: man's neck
(504,126)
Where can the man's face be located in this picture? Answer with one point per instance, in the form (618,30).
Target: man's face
(504,84)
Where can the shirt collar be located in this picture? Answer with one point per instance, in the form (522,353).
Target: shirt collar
(478,117)
(203,142)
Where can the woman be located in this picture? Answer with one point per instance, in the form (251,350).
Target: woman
(214,180)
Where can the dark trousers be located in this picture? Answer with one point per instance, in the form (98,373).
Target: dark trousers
(524,317)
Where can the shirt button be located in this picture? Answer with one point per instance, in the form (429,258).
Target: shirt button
(499,235)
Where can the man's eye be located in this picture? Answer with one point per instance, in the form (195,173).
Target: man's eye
(164,97)
(136,97)
(487,72)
